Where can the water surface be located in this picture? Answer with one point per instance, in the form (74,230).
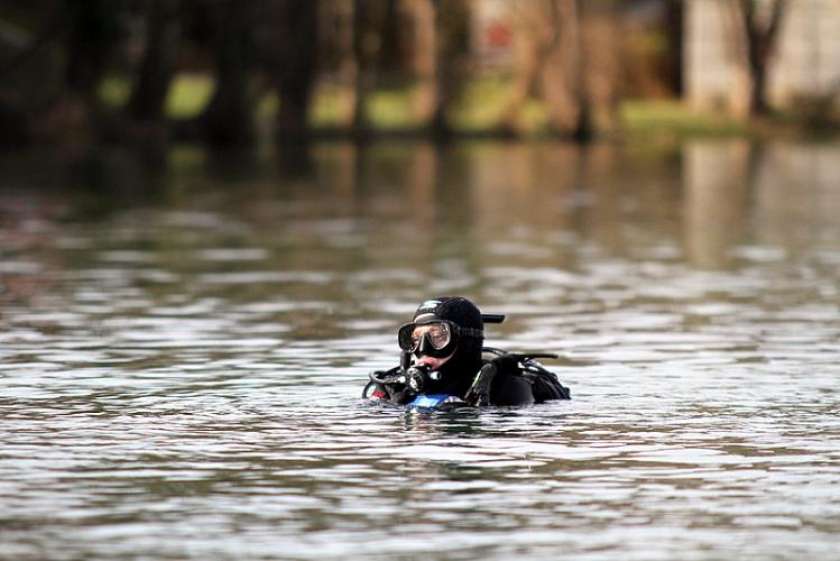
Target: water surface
(183,344)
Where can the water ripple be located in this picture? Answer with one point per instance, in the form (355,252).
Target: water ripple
(184,384)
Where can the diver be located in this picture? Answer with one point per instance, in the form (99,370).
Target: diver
(443,363)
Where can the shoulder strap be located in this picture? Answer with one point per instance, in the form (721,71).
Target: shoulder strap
(545,384)
(479,392)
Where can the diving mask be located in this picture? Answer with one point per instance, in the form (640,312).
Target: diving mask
(436,339)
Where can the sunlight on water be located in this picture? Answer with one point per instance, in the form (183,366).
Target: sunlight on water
(181,370)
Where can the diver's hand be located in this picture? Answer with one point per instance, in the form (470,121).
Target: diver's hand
(479,392)
(400,395)
(393,384)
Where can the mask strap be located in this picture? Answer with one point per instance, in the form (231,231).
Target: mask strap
(471,332)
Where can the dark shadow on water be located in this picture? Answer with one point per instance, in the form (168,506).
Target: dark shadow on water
(233,166)
(480,203)
(294,158)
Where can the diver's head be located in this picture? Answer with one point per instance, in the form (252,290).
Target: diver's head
(445,334)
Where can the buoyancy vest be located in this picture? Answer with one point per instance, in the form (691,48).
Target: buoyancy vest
(504,379)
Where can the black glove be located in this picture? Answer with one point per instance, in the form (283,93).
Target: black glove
(393,383)
(479,392)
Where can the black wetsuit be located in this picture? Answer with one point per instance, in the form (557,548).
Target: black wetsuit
(503,379)
(464,375)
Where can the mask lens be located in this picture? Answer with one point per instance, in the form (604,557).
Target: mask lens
(437,335)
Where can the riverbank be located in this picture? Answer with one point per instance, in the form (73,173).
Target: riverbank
(479,111)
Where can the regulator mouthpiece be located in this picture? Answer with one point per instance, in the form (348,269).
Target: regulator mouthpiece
(420,377)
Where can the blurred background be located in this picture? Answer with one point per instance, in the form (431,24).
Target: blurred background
(229,73)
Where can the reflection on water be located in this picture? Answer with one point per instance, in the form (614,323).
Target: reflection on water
(182,351)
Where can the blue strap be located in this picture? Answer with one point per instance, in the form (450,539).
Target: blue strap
(430,401)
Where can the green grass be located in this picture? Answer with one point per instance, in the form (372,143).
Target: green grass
(388,109)
(393,108)
(483,102)
(188,94)
(480,107)
(114,91)
(673,117)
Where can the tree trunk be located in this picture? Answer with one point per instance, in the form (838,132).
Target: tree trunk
(439,125)
(752,43)
(361,82)
(423,13)
(93,30)
(736,49)
(152,85)
(600,33)
(675,13)
(33,78)
(435,29)
(348,67)
(14,126)
(536,38)
(293,65)
(229,118)
(761,46)
(562,78)
(392,31)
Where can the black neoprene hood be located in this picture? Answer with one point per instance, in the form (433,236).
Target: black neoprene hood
(458,372)
(456,309)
